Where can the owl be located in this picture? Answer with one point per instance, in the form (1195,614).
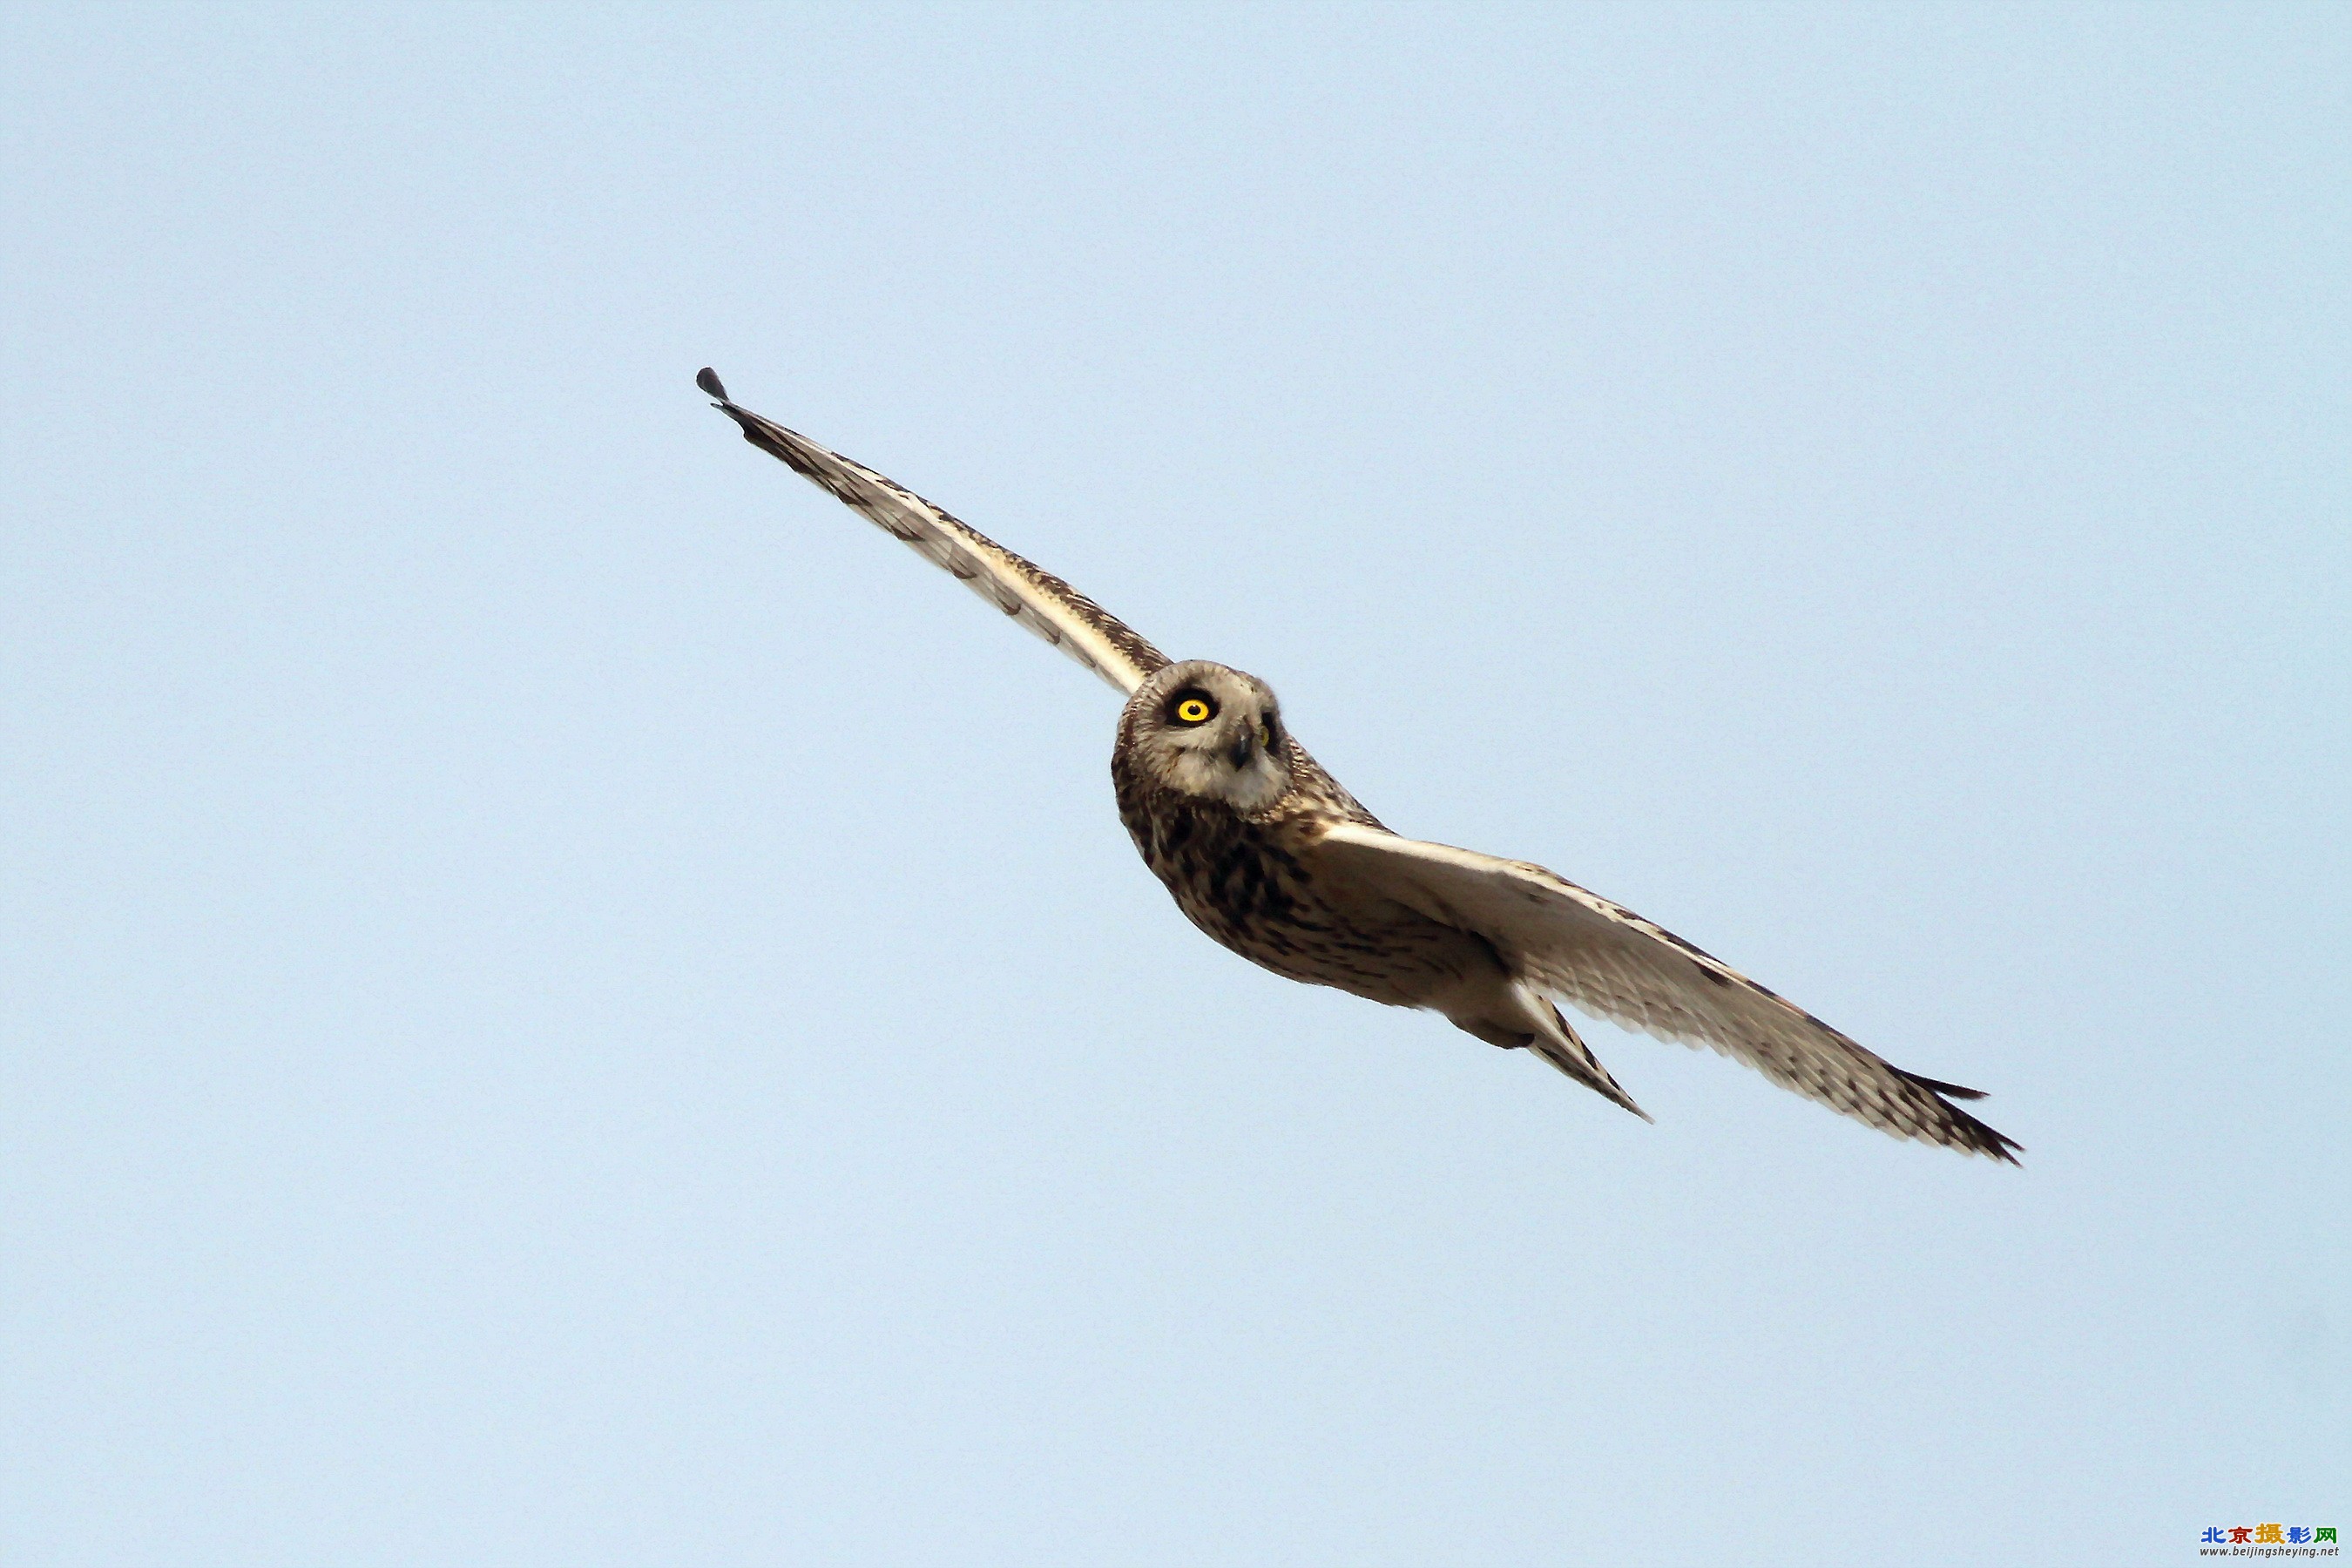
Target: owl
(1272,858)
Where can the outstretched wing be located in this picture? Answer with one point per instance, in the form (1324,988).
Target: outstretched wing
(1610,963)
(1029,594)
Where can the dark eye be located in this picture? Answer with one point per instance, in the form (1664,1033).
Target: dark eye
(1193,708)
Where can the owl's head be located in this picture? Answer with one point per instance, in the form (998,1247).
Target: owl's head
(1208,730)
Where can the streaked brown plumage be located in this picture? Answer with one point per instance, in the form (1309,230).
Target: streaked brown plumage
(1267,853)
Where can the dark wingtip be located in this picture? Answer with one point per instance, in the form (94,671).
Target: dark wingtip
(1989,1142)
(1972,1136)
(707,379)
(1952,1091)
(2002,1147)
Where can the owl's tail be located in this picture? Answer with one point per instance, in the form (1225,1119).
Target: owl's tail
(1565,1050)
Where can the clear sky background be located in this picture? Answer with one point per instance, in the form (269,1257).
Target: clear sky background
(566,1002)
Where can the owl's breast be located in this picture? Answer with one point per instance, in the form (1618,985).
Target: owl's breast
(1244,882)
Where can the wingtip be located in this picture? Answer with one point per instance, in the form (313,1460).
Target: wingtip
(1974,1137)
(707,380)
(1962,1131)
(1936,1086)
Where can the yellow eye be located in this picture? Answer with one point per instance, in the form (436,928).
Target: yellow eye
(1194,710)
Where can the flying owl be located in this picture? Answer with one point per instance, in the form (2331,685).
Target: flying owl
(1270,856)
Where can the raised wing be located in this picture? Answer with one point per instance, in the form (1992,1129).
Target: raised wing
(1610,963)
(1029,594)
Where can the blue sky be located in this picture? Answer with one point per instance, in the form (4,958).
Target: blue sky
(566,1002)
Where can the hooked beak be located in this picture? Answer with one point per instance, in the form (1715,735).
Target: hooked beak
(1239,755)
